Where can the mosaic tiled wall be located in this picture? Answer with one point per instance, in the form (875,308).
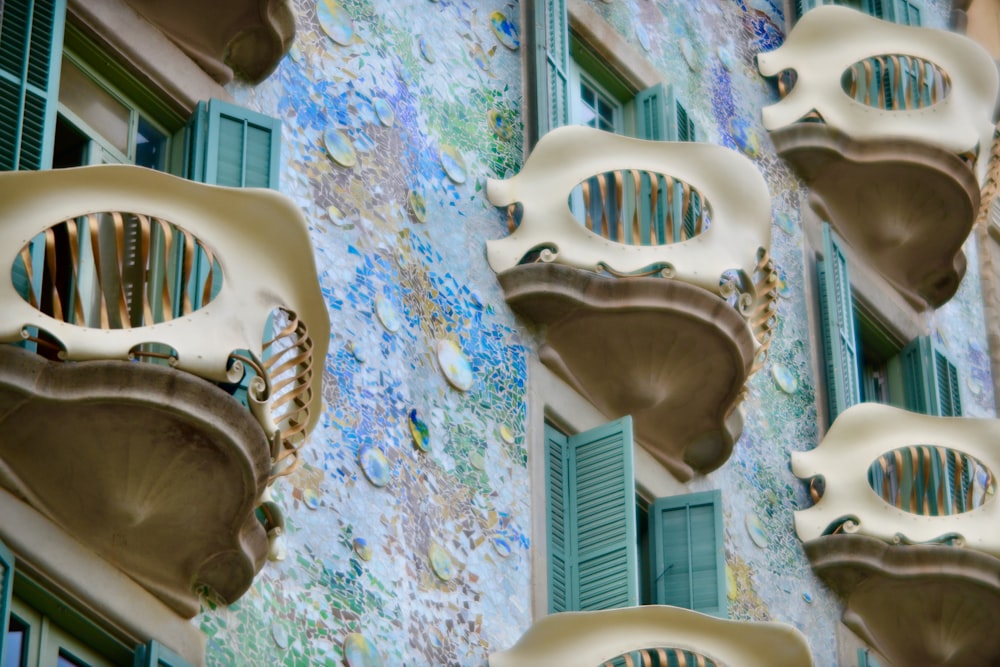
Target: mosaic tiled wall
(409,524)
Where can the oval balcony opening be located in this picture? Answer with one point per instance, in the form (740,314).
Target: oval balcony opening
(930,480)
(660,656)
(637,207)
(896,82)
(116,270)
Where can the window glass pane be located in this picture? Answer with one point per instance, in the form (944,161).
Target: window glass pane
(94,105)
(17,633)
(595,109)
(68,661)
(151,146)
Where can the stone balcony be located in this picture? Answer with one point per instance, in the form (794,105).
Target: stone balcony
(647,265)
(904,529)
(243,38)
(159,375)
(654,635)
(890,127)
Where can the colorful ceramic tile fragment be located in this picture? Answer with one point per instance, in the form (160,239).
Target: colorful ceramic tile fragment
(419,432)
(280,635)
(785,223)
(374,465)
(441,562)
(339,147)
(310,498)
(726,57)
(783,377)
(418,205)
(744,136)
(384,111)
(756,530)
(477,460)
(500,125)
(454,365)
(784,289)
(362,549)
(387,314)
(642,35)
(426,50)
(335,21)
(690,56)
(502,546)
(505,30)
(481,58)
(359,652)
(454,164)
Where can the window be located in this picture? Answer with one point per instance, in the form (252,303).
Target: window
(863,362)
(905,12)
(593,105)
(43,85)
(43,630)
(574,85)
(599,556)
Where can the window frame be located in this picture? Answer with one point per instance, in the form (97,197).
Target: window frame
(579,76)
(918,362)
(886,10)
(51,561)
(136,111)
(551,400)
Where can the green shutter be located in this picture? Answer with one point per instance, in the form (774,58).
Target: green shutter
(229,145)
(904,12)
(556,491)
(930,380)
(875,8)
(31,36)
(843,387)
(655,107)
(551,84)
(6,590)
(685,126)
(949,394)
(688,563)
(662,118)
(155,654)
(803,6)
(655,121)
(592,540)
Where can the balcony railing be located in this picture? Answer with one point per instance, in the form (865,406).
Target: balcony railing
(211,286)
(903,478)
(652,259)
(887,81)
(654,635)
(890,127)
(641,208)
(904,529)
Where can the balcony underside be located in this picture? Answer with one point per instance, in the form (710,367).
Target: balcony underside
(916,604)
(243,37)
(905,207)
(672,355)
(154,469)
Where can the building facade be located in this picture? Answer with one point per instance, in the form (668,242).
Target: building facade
(403,485)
